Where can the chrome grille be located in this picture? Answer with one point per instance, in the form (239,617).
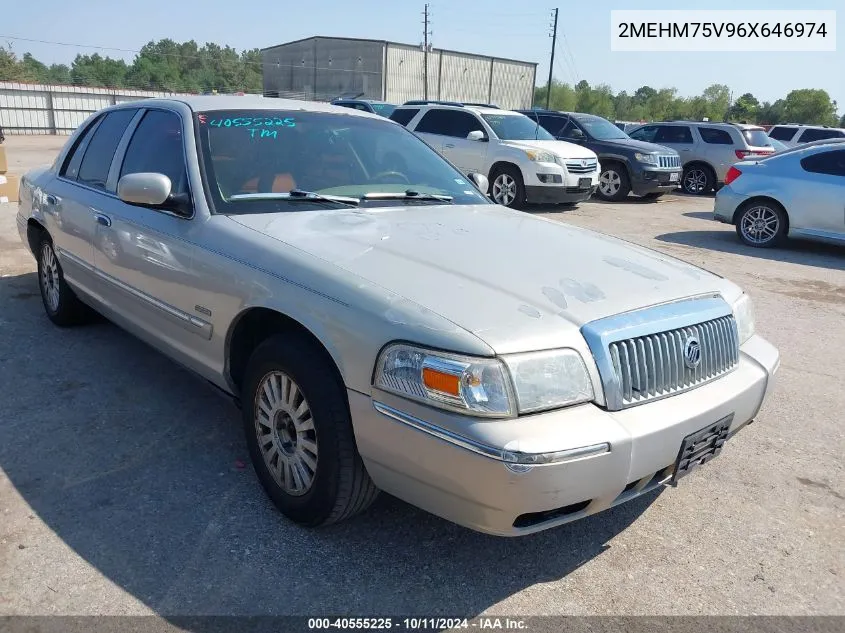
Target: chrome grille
(653,366)
(576,166)
(669,161)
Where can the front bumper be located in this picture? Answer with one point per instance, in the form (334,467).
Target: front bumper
(653,181)
(558,194)
(458,467)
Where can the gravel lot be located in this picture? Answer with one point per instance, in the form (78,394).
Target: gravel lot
(125,486)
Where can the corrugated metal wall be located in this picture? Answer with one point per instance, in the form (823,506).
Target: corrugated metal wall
(465,78)
(513,84)
(324,68)
(458,77)
(48,109)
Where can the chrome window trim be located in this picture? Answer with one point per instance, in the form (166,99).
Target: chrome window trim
(641,322)
(491,452)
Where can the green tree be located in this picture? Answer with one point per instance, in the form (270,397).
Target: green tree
(771,113)
(842,121)
(94,70)
(810,106)
(746,108)
(10,69)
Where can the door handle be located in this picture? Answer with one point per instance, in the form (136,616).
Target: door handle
(104,220)
(52,200)
(448,146)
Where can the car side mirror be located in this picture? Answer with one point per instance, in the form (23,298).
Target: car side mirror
(476,135)
(149,189)
(576,135)
(480,181)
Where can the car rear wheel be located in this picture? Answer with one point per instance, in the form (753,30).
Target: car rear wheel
(762,224)
(62,306)
(697,180)
(507,188)
(614,184)
(299,433)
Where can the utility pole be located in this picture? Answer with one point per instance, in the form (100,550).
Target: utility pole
(553,35)
(425,52)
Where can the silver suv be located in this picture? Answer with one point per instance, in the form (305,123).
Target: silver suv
(707,149)
(792,134)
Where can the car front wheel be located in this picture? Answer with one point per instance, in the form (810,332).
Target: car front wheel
(507,188)
(697,180)
(762,224)
(614,184)
(299,432)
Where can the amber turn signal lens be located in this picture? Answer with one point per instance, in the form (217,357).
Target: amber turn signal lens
(442,382)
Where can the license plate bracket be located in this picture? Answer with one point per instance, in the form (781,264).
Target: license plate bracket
(674,177)
(700,447)
(585,183)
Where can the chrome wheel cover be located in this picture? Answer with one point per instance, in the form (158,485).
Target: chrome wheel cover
(759,225)
(285,432)
(609,183)
(50,278)
(504,189)
(695,181)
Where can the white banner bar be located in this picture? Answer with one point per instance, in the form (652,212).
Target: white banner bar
(724,31)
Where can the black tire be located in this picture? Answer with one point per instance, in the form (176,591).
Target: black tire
(753,216)
(698,179)
(340,486)
(654,195)
(61,304)
(518,192)
(616,182)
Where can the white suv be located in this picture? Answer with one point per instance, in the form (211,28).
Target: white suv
(523,162)
(792,135)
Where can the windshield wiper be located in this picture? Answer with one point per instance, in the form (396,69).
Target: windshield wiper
(407,195)
(296,195)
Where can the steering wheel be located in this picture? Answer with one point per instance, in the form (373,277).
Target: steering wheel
(398,175)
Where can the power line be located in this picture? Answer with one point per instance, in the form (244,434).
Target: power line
(568,51)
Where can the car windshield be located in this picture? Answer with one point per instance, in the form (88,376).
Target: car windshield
(253,159)
(516,127)
(384,109)
(757,138)
(599,128)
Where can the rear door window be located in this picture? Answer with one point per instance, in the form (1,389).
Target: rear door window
(448,123)
(70,169)
(782,132)
(678,134)
(94,170)
(811,135)
(715,136)
(404,115)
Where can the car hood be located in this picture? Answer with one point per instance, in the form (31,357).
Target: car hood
(516,281)
(561,148)
(636,146)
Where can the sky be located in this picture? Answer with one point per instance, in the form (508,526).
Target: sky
(518,30)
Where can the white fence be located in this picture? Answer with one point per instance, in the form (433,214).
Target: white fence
(43,109)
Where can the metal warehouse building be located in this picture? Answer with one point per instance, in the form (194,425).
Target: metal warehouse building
(322,68)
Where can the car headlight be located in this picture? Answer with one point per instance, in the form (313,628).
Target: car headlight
(744,316)
(649,159)
(476,386)
(540,156)
(482,386)
(549,380)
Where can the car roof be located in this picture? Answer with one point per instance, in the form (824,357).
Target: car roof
(206,103)
(459,108)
